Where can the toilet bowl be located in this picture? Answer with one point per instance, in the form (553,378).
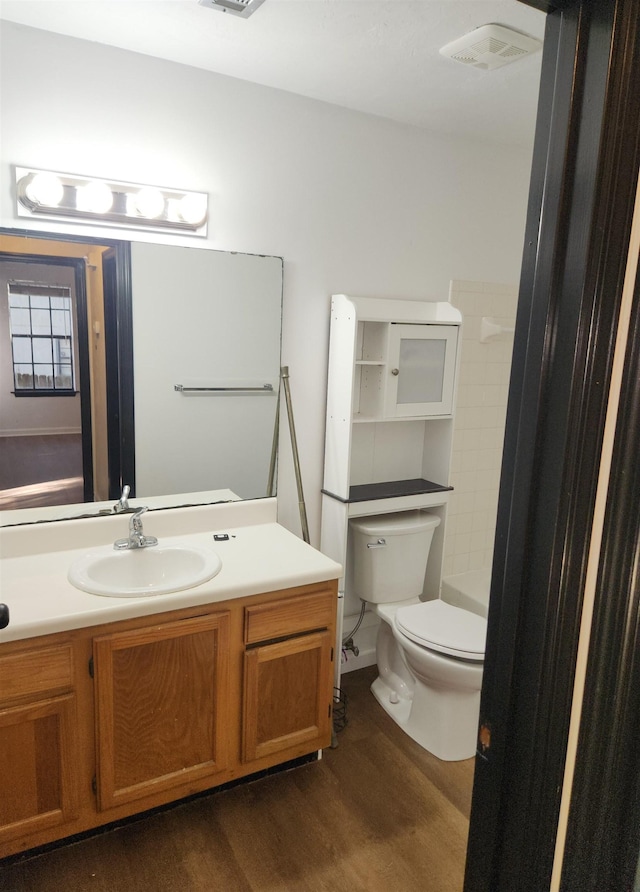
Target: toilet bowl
(429,654)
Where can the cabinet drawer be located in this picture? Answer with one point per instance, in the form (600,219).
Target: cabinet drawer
(289,616)
(38,671)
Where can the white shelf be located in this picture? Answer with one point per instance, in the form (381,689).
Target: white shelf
(367,439)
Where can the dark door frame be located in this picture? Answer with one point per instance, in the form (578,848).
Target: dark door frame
(118,323)
(584,175)
(84,376)
(603,834)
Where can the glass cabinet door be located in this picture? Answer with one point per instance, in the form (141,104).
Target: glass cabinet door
(421,370)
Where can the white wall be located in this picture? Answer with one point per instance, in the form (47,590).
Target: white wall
(353,203)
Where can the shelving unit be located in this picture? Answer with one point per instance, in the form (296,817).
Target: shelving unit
(390,397)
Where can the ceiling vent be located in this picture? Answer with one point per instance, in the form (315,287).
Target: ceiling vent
(242,8)
(490,46)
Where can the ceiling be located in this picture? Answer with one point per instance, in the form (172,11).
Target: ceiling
(375,56)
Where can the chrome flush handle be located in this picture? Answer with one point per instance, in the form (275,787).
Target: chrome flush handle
(379,544)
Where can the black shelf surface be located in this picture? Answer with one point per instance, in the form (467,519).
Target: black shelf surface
(366,492)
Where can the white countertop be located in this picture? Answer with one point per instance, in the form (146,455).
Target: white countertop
(260,556)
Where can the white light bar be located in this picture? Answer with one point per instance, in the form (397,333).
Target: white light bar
(55,196)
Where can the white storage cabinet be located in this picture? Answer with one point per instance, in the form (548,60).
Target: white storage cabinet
(390,400)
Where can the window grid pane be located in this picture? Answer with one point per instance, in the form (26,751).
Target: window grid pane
(41,327)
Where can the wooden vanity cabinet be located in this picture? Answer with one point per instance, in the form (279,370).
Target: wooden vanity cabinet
(161,706)
(102,723)
(288,675)
(38,754)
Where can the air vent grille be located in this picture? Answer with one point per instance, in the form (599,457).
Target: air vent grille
(490,46)
(242,8)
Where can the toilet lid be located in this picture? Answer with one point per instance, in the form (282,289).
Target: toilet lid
(444,628)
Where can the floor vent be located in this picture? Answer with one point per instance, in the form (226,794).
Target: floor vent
(490,46)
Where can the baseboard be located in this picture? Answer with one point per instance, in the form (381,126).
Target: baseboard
(350,662)
(42,432)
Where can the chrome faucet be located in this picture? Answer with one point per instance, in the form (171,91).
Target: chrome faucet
(123,503)
(136,538)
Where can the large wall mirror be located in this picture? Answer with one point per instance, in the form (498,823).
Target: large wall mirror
(139,364)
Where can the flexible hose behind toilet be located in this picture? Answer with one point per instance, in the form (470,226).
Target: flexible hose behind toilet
(349,637)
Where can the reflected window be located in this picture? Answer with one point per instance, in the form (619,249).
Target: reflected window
(41,328)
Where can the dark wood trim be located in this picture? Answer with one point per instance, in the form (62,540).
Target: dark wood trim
(125,367)
(603,834)
(85,377)
(603,837)
(116,266)
(575,248)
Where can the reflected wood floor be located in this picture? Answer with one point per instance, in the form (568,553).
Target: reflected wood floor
(377,813)
(40,470)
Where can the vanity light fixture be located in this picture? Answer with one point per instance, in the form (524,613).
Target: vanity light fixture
(57,196)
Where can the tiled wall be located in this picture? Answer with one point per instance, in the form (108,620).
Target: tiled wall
(479,424)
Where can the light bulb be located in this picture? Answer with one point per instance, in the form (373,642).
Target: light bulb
(45,189)
(149,202)
(95,198)
(193,208)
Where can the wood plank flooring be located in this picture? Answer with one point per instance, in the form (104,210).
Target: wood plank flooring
(40,470)
(376,814)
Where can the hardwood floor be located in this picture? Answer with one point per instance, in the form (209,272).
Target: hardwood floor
(377,813)
(40,470)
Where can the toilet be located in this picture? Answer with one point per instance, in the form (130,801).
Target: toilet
(429,654)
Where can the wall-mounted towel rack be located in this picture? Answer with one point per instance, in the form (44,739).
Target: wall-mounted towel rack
(489,328)
(262,388)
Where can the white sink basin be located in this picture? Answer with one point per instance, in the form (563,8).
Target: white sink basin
(138,572)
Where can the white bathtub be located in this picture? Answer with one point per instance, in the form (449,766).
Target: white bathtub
(468,590)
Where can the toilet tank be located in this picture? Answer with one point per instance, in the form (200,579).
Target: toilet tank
(390,553)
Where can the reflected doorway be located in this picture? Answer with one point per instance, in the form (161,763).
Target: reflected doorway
(53,443)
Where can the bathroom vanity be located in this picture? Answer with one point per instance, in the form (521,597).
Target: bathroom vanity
(113,706)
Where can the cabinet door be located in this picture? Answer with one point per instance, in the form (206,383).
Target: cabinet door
(161,707)
(421,370)
(37,763)
(288,688)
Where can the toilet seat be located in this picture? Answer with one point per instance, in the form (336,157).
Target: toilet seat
(446,629)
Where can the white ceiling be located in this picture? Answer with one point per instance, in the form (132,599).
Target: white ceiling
(374,56)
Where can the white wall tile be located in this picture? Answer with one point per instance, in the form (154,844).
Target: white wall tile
(460,563)
(471,372)
(478,424)
(463,285)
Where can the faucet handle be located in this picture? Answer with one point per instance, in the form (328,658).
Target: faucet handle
(136,538)
(135,523)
